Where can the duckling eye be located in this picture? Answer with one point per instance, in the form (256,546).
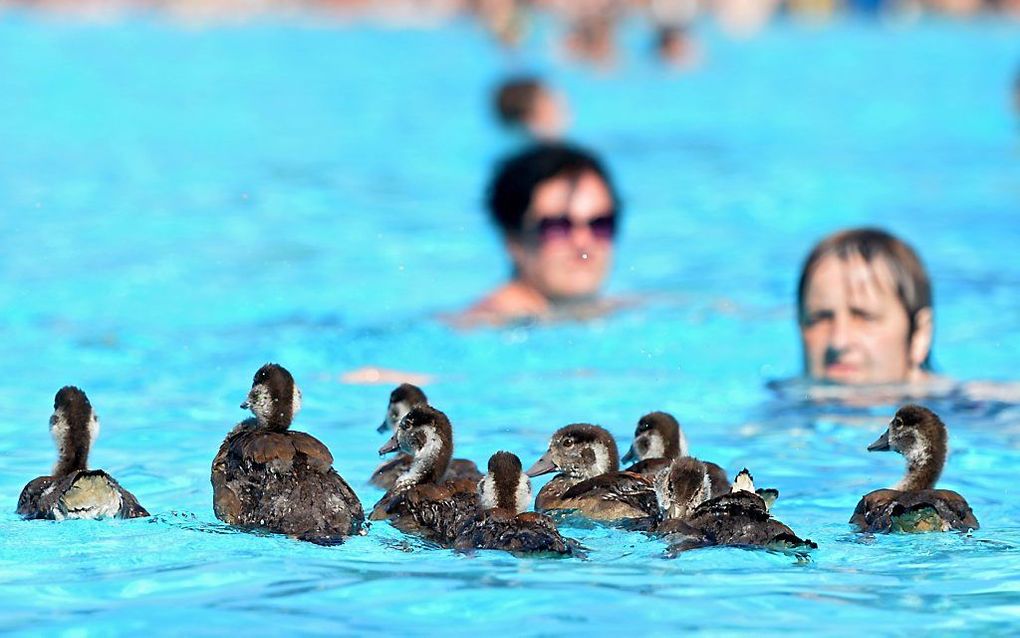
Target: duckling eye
(405,424)
(568,442)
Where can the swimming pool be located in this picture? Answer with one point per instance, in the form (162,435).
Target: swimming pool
(180,205)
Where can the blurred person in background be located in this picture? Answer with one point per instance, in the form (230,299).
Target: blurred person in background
(557,211)
(506,20)
(526,105)
(671,21)
(865,310)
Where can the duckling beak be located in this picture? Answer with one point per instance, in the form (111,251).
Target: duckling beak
(882,444)
(245,405)
(382,427)
(630,456)
(390,446)
(542,466)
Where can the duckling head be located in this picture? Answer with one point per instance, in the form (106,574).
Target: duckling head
(426,434)
(274,398)
(505,485)
(74,427)
(682,487)
(658,436)
(920,436)
(402,399)
(581,451)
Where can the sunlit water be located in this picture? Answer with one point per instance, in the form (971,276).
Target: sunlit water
(179,205)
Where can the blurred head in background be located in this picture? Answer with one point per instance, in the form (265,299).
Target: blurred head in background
(865,310)
(526,104)
(557,210)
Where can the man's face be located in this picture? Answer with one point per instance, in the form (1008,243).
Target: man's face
(854,328)
(566,260)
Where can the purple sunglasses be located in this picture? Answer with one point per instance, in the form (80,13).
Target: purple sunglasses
(556,228)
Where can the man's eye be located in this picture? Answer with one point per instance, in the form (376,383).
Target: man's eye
(816,317)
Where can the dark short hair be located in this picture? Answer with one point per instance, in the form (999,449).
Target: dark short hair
(517,176)
(913,288)
(515,99)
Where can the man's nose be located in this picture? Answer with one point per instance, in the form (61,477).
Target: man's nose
(840,337)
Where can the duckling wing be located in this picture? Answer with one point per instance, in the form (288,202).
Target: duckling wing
(387,473)
(648,467)
(30,503)
(625,488)
(914,511)
(528,532)
(434,512)
(955,510)
(311,451)
(463,469)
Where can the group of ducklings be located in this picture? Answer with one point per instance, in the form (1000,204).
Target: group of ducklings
(266,476)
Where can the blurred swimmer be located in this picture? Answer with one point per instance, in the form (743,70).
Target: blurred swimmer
(671,20)
(558,212)
(526,104)
(865,310)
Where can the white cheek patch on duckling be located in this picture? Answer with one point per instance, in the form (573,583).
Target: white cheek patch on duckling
(93,429)
(295,402)
(259,402)
(59,428)
(523,494)
(601,465)
(487,492)
(682,449)
(656,446)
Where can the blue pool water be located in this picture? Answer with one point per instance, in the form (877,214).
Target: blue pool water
(180,204)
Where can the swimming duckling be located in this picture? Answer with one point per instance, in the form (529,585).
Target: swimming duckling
(267,476)
(739,518)
(402,399)
(589,480)
(658,439)
(420,502)
(504,522)
(73,491)
(914,505)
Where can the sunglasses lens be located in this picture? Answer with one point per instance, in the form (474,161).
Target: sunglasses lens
(552,228)
(603,227)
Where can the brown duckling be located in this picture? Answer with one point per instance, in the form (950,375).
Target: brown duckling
(402,399)
(421,502)
(73,491)
(658,440)
(266,476)
(589,481)
(504,522)
(739,518)
(914,505)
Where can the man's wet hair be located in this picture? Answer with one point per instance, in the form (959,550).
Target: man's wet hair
(913,288)
(515,99)
(517,176)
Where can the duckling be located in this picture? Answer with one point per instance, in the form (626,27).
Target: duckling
(266,476)
(421,502)
(504,522)
(73,491)
(739,518)
(589,480)
(914,505)
(658,439)
(402,399)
